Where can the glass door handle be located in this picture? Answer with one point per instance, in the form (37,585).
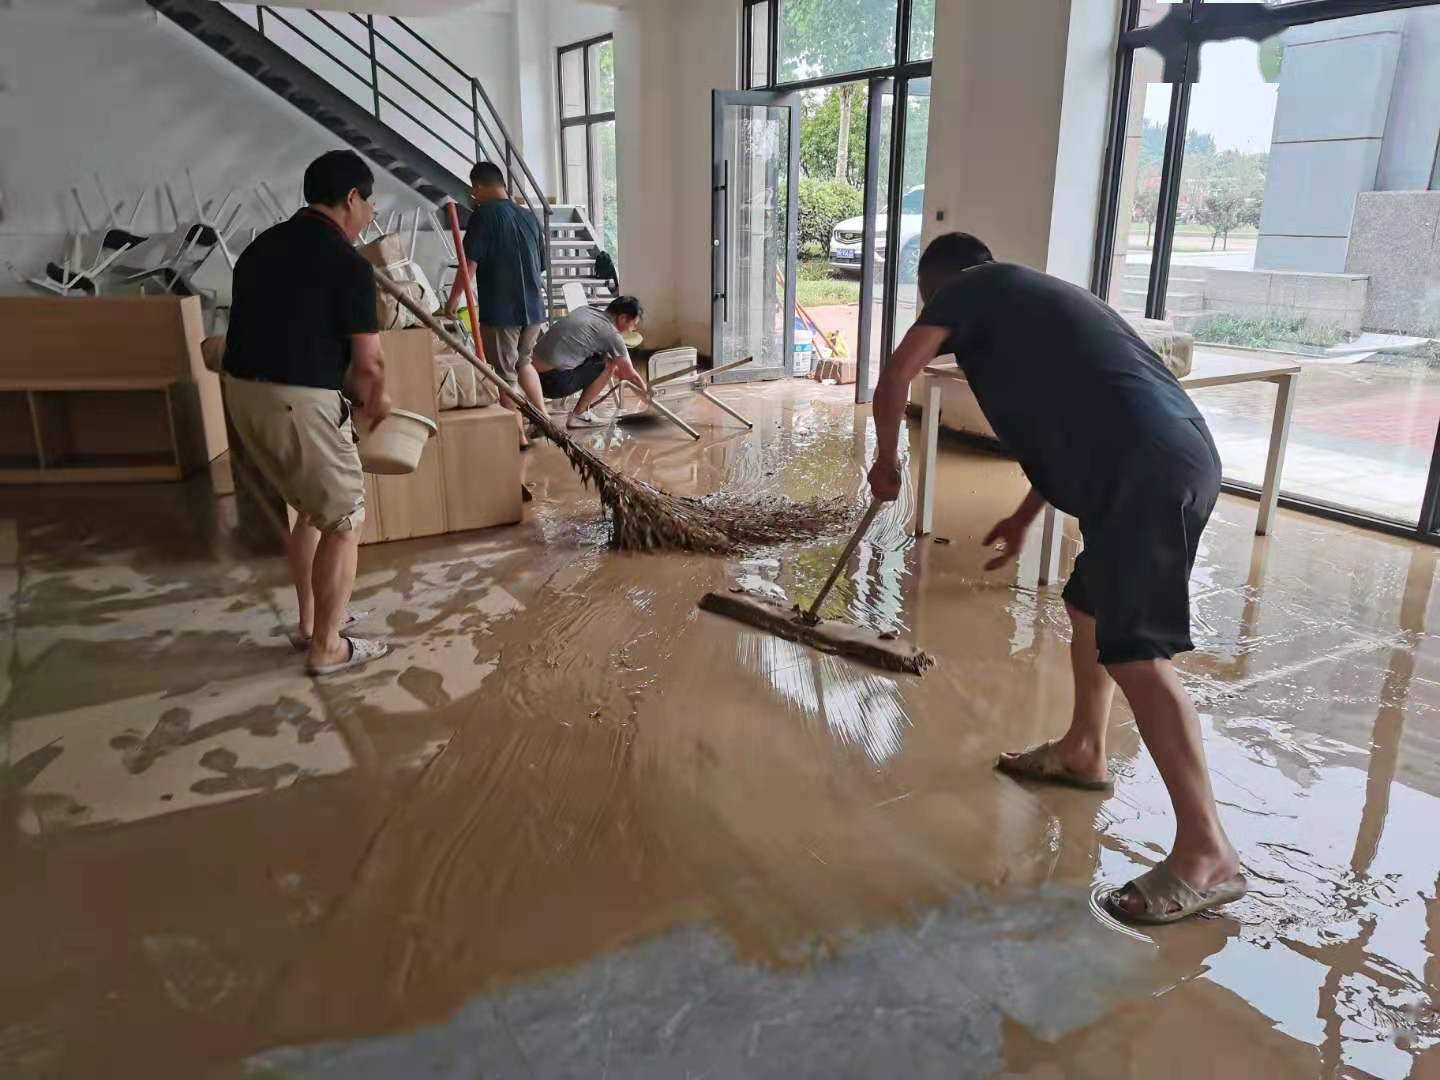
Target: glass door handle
(723,244)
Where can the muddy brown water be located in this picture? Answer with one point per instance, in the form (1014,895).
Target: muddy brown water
(206,855)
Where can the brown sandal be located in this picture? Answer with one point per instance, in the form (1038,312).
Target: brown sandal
(1168,899)
(1042,764)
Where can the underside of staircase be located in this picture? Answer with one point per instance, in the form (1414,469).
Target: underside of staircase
(249,50)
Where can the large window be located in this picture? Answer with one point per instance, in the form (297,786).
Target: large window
(1278,207)
(587,134)
(860,70)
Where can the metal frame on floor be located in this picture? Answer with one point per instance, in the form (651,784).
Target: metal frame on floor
(1177,37)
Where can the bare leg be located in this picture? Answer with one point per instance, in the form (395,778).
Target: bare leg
(300,544)
(1082,747)
(333,577)
(591,392)
(530,385)
(506,403)
(1202,855)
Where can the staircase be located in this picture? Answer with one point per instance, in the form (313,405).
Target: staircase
(1184,294)
(380,92)
(574,244)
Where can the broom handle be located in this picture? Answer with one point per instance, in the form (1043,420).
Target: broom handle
(812,615)
(522,403)
(464,268)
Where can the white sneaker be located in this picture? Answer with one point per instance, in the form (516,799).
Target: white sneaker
(587,419)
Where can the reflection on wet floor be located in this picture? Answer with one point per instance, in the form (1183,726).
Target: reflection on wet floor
(572,826)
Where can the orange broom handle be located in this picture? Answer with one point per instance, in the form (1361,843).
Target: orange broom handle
(464,269)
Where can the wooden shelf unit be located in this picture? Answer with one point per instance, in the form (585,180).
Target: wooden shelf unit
(76,432)
(105,390)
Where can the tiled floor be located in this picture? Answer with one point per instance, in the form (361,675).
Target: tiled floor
(574,827)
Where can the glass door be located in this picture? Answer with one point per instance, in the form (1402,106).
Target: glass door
(755,163)
(878,134)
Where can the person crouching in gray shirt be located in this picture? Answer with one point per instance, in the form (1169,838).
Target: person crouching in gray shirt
(584,351)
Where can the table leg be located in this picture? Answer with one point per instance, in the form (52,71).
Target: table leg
(663,411)
(708,396)
(1052,528)
(929,444)
(1279,436)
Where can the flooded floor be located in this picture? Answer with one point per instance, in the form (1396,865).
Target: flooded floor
(571,826)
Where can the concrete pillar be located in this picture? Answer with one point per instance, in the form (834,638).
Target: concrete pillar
(669,55)
(999,126)
(1334,100)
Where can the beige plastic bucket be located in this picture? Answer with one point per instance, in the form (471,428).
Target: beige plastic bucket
(395,446)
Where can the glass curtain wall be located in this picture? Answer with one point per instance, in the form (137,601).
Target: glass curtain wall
(1278,206)
(586,72)
(832,52)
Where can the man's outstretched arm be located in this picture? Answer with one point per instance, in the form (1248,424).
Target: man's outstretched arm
(919,347)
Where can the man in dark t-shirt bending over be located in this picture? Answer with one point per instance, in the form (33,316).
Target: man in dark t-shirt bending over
(1104,432)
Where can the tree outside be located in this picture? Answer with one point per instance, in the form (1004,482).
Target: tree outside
(1222,192)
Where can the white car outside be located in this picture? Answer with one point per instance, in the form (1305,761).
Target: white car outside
(848,236)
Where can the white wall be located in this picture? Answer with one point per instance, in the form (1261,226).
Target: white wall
(482,44)
(110,85)
(663,85)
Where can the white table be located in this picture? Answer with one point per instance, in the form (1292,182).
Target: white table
(1210,369)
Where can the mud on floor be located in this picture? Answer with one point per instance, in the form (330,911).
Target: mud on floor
(571,825)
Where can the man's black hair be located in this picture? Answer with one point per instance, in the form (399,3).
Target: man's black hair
(953,253)
(333,175)
(487,174)
(625,305)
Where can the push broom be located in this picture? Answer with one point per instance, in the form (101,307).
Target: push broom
(805,626)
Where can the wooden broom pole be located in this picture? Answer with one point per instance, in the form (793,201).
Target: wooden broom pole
(463,268)
(432,324)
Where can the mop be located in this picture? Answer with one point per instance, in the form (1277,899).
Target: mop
(642,517)
(805,626)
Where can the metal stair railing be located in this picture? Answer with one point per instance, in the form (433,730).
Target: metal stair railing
(471,128)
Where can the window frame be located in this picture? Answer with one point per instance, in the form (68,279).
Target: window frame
(587,119)
(902,72)
(1181,53)
(902,67)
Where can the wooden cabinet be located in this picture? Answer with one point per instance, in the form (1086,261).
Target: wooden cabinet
(97,389)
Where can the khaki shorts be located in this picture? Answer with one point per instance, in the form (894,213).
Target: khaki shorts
(302,441)
(509,348)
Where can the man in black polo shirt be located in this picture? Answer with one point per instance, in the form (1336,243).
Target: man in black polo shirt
(303,334)
(1104,432)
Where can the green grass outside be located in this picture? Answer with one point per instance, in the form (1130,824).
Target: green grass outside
(1265,333)
(817,285)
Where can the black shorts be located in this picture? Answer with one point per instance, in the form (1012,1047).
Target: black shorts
(560,384)
(1133,575)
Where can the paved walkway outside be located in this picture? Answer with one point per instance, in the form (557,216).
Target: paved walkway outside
(1361,434)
